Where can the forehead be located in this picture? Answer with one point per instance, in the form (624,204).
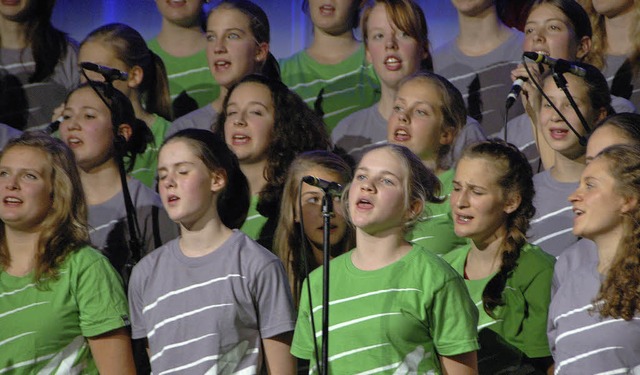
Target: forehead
(225,17)
(85,96)
(251,91)
(177,150)
(477,171)
(603,137)
(26,157)
(577,87)
(420,89)
(384,160)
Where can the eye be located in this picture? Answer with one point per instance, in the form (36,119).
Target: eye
(4,173)
(233,36)
(231,113)
(360,177)
(313,200)
(387,181)
(456,188)
(421,112)
(377,36)
(397,109)
(210,37)
(528,30)
(162,176)
(89,116)
(404,35)
(477,192)
(256,112)
(30,176)
(183,171)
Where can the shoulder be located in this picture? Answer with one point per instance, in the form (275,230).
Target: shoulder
(580,255)
(152,260)
(533,261)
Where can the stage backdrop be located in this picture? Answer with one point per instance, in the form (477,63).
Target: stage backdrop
(290,27)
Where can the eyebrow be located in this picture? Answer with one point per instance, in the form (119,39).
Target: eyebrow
(178,164)
(470,185)
(383,172)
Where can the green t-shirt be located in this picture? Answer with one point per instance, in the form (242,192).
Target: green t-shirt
(44,330)
(436,233)
(254,222)
(188,73)
(396,319)
(520,325)
(146,165)
(348,86)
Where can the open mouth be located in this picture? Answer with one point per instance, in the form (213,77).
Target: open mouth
(401,135)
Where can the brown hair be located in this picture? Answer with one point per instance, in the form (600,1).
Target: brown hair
(64,230)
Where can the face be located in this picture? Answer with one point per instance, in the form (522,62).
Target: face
(249,122)
(596,204)
(613,8)
(97,53)
(416,120)
(393,53)
(184,13)
(478,203)
(377,193)
(548,31)
(232,50)
(603,137)
(332,16)
(87,129)
(186,186)
(556,132)
(472,7)
(312,209)
(26,183)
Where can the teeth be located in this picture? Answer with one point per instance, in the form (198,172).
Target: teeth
(12,200)
(221,63)
(466,219)
(240,137)
(391,60)
(578,212)
(401,132)
(543,53)
(73,140)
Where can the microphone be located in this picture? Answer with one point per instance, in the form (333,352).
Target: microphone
(328,186)
(558,65)
(515,91)
(109,74)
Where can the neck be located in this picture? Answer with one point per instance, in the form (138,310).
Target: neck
(482,33)
(485,256)
(387,98)
(205,236)
(255,175)
(100,183)
(139,110)
(332,49)
(566,169)
(217,104)
(22,247)
(619,35)
(14,34)
(376,251)
(607,244)
(432,165)
(181,41)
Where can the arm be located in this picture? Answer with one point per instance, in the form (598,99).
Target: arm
(112,352)
(277,356)
(460,364)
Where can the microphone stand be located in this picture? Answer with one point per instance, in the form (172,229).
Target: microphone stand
(327,211)
(561,83)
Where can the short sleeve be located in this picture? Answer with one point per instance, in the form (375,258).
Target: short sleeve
(273,298)
(100,296)
(537,295)
(454,319)
(302,346)
(136,305)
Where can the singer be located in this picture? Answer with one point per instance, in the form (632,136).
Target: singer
(551,225)
(396,305)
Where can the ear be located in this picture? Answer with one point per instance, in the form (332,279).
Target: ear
(136,75)
(584,47)
(630,204)
(125,130)
(415,209)
(262,52)
(425,53)
(512,203)
(218,180)
(447,136)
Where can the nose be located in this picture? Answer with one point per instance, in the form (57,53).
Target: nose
(70,123)
(219,45)
(11,183)
(367,186)
(239,120)
(168,181)
(462,198)
(391,42)
(575,196)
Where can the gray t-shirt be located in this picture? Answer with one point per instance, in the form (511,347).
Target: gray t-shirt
(551,227)
(209,314)
(109,231)
(581,341)
(201,118)
(366,127)
(484,81)
(25,105)
(581,255)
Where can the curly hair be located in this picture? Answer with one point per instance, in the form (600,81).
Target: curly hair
(233,202)
(599,43)
(421,185)
(514,177)
(287,240)
(65,227)
(408,16)
(619,295)
(297,128)
(130,47)
(121,113)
